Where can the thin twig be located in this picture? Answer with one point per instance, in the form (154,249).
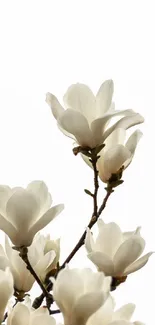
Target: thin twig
(96,214)
(23,253)
(96,185)
(38,301)
(90,225)
(103,205)
(57,311)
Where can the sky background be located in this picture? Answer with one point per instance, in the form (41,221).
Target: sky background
(46,46)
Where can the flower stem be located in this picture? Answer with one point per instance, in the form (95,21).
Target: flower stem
(93,155)
(57,311)
(90,225)
(96,184)
(23,253)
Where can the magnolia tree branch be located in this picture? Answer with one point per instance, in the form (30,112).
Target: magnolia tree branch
(23,253)
(113,182)
(96,184)
(38,301)
(90,225)
(57,311)
(93,157)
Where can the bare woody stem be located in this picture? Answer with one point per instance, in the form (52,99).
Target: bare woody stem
(90,225)
(93,157)
(96,185)
(23,253)
(38,301)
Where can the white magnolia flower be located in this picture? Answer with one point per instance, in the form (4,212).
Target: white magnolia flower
(86,118)
(6,290)
(107,316)
(24,315)
(52,245)
(115,154)
(25,211)
(79,293)
(39,260)
(114,252)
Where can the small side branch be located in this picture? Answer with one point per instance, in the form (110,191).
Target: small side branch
(90,225)
(23,253)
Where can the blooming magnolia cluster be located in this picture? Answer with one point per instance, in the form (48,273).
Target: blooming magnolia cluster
(82,296)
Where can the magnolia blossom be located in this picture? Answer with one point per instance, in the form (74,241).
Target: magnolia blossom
(52,245)
(39,260)
(24,315)
(116,154)
(79,293)
(6,290)
(87,117)
(25,211)
(107,316)
(114,252)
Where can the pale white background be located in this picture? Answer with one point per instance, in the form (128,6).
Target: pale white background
(46,46)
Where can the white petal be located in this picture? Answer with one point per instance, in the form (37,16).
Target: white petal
(8,248)
(39,311)
(2,253)
(71,136)
(6,290)
(104,97)
(137,264)
(116,137)
(45,219)
(5,193)
(8,228)
(132,144)
(80,98)
(124,313)
(67,288)
(75,123)
(133,140)
(40,191)
(3,262)
(114,159)
(25,282)
(94,281)
(125,123)
(104,242)
(21,209)
(55,106)
(128,234)
(99,125)
(43,264)
(19,315)
(102,261)
(43,319)
(87,305)
(127,253)
(120,322)
(103,316)
(89,241)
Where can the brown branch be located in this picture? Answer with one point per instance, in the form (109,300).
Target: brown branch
(103,205)
(96,185)
(90,225)
(57,311)
(38,301)
(23,253)
(93,155)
